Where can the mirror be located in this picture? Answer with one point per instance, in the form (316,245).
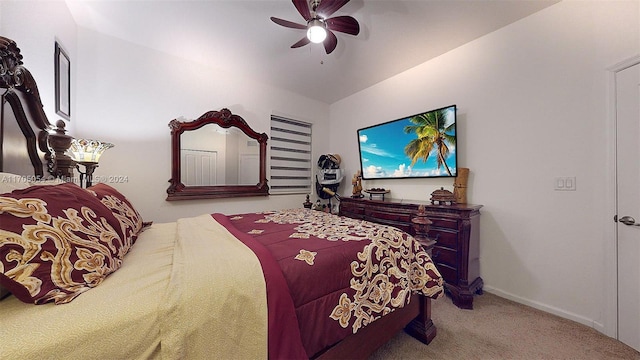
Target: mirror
(216,156)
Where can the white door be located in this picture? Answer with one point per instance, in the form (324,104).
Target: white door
(628,203)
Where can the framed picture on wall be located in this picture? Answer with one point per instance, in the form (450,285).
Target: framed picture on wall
(63,82)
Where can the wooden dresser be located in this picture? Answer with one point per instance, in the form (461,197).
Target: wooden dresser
(455,228)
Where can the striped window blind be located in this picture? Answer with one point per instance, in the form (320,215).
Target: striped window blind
(290,152)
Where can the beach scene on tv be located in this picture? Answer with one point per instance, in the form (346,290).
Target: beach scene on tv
(421,145)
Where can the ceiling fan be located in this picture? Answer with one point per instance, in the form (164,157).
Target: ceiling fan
(319,26)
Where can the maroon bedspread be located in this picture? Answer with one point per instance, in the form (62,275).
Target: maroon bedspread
(342,274)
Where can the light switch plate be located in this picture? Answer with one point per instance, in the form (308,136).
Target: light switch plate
(565,183)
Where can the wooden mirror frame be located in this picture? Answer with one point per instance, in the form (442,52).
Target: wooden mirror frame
(224,118)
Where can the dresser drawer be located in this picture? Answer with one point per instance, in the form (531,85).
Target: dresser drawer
(354,212)
(359,215)
(444,223)
(449,274)
(397,224)
(443,255)
(386,215)
(444,238)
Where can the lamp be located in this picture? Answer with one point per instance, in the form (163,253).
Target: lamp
(317,31)
(87,153)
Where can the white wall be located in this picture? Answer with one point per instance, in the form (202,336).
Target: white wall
(35,26)
(532,105)
(129,95)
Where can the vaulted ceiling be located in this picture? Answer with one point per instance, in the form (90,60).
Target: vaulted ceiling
(238,36)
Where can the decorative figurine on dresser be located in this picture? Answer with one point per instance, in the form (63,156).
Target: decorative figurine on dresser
(307,203)
(356,181)
(455,229)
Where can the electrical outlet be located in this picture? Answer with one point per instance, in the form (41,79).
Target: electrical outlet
(565,183)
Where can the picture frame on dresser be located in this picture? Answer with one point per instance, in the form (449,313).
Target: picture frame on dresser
(455,229)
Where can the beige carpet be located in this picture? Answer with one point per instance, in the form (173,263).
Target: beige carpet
(501,329)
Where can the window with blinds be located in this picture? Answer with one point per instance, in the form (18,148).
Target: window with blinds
(290,152)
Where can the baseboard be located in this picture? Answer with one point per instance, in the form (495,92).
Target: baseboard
(549,309)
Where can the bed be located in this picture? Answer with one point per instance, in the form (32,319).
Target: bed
(88,278)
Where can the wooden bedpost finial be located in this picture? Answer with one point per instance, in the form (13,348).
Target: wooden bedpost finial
(59,141)
(421,227)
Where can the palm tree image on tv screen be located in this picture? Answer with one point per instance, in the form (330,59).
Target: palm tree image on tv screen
(417,146)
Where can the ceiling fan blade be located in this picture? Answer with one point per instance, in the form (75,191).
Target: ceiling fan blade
(304,41)
(345,24)
(287,23)
(328,7)
(330,42)
(303,8)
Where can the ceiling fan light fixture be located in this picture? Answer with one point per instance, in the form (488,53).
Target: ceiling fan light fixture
(319,26)
(317,31)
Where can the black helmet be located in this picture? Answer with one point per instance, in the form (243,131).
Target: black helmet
(329,161)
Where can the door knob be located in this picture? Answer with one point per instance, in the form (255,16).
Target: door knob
(628,220)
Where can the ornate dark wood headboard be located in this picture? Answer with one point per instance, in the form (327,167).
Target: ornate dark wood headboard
(24,128)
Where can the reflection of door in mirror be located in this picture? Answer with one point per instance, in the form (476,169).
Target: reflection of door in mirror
(213,155)
(198,167)
(248,163)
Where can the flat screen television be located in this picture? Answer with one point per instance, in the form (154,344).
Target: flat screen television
(417,146)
